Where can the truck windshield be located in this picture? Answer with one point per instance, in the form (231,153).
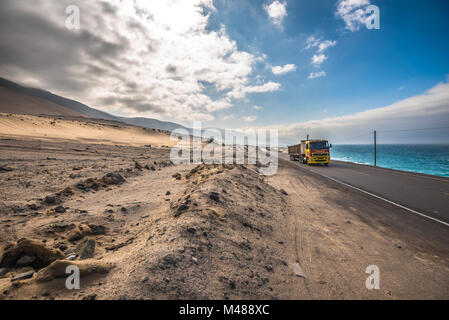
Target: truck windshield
(319,145)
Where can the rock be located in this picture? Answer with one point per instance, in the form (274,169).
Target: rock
(191,230)
(60,209)
(177,176)
(97,229)
(3,272)
(44,255)
(86,249)
(113,178)
(61,246)
(284,192)
(23,276)
(68,192)
(269,267)
(214,196)
(50,199)
(145,279)
(194,260)
(57,269)
(168,193)
(138,166)
(34,206)
(25,261)
(90,297)
(182,207)
(5,169)
(145,216)
(71,257)
(170,259)
(79,232)
(298,270)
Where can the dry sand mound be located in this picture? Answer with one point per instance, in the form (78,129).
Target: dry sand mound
(217,241)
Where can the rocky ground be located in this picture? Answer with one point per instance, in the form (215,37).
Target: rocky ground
(139,227)
(136,225)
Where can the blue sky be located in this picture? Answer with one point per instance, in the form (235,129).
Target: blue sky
(366,69)
(299,66)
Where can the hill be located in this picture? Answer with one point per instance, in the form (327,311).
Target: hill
(25,100)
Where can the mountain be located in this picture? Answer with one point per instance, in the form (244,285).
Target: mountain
(15,98)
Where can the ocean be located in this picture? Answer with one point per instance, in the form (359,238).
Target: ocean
(429,159)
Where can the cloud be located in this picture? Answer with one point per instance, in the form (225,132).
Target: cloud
(267,87)
(229,117)
(427,110)
(353,13)
(326,44)
(257,108)
(319,74)
(318,59)
(279,70)
(320,44)
(249,118)
(277,11)
(132,57)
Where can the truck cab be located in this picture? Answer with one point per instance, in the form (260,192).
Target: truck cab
(316,152)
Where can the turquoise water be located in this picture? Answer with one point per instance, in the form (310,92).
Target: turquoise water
(429,159)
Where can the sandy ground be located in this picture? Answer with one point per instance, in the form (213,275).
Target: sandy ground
(79,129)
(139,227)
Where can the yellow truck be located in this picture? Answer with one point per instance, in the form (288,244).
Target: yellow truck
(314,151)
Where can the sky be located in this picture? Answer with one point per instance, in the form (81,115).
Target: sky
(302,67)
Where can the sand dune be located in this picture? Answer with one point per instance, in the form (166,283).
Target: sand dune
(80,129)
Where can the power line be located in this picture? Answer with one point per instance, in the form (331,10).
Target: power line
(393,130)
(417,129)
(355,137)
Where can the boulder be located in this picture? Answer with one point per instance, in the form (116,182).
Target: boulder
(27,247)
(25,261)
(113,178)
(79,232)
(23,276)
(86,249)
(57,269)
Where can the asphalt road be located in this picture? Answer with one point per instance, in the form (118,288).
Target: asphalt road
(423,193)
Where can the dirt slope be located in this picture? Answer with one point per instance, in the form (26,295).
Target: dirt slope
(18,103)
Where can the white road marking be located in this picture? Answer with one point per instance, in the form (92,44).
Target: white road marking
(378,197)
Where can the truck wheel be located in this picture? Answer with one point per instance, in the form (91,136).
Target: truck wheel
(326,164)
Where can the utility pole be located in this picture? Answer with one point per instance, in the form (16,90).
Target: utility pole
(375,147)
(307,137)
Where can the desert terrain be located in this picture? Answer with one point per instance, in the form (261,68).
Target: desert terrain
(105,197)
